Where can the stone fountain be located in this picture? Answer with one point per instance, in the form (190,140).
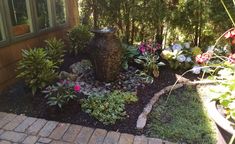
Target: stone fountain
(106,54)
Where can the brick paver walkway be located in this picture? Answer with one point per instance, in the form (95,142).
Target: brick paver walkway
(28,130)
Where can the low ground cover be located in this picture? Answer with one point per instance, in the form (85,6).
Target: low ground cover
(181,117)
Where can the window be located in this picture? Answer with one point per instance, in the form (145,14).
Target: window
(20,17)
(44,17)
(2,36)
(60,11)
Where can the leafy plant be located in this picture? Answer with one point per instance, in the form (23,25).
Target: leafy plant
(36,69)
(79,37)
(224,91)
(55,50)
(179,56)
(61,93)
(108,108)
(129,53)
(150,63)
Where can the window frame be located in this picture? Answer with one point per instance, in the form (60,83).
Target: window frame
(7,24)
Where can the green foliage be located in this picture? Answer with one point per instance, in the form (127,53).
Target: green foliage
(129,53)
(179,57)
(224,91)
(61,93)
(79,37)
(36,68)
(55,50)
(150,63)
(182,119)
(108,108)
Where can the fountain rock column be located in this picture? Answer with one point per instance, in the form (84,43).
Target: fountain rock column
(106,54)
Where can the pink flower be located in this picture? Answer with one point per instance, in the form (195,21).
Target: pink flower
(231,58)
(202,58)
(77,88)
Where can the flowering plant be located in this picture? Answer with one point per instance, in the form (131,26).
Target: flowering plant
(61,93)
(179,56)
(149,47)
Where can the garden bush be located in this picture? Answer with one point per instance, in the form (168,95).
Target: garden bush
(179,56)
(36,68)
(108,108)
(55,50)
(129,53)
(79,37)
(61,93)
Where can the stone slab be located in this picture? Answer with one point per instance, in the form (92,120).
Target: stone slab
(98,136)
(13,136)
(126,139)
(84,136)
(154,141)
(59,131)
(112,138)
(30,140)
(72,133)
(25,124)
(44,140)
(140,140)
(48,128)
(8,118)
(14,123)
(36,126)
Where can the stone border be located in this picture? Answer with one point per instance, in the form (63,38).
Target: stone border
(142,119)
(28,130)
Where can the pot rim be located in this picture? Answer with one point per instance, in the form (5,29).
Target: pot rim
(218,118)
(101,31)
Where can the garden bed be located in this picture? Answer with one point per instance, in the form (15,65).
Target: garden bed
(18,99)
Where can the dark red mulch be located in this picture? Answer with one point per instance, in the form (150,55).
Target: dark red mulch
(19,100)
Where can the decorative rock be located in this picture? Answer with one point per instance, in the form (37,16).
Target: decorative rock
(141,122)
(68,76)
(81,67)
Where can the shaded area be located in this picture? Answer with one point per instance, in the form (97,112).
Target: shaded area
(181,118)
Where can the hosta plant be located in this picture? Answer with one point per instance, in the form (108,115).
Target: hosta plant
(108,108)
(36,69)
(61,93)
(55,50)
(129,53)
(150,64)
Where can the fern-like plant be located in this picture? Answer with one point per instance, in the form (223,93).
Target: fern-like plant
(55,50)
(36,69)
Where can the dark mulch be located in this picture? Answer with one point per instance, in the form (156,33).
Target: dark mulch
(19,100)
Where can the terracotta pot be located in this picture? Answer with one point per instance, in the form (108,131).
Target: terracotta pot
(20,29)
(219,119)
(106,54)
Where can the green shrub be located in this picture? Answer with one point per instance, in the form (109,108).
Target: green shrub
(55,50)
(79,37)
(61,93)
(36,69)
(129,53)
(108,108)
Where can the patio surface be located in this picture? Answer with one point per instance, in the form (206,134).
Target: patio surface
(29,130)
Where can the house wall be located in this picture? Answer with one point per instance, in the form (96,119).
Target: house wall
(11,54)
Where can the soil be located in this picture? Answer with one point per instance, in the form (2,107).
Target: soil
(18,99)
